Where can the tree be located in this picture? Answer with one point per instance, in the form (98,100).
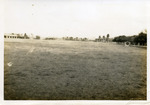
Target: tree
(131,39)
(122,38)
(70,38)
(37,37)
(103,38)
(141,38)
(26,36)
(99,38)
(107,37)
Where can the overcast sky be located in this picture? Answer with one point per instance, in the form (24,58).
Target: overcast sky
(77,18)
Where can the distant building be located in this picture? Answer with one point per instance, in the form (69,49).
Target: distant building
(10,35)
(16,35)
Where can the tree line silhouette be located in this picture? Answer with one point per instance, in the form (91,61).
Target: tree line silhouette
(140,39)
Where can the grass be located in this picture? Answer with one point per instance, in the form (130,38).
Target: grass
(73,70)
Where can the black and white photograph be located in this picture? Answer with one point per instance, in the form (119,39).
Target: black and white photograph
(75,50)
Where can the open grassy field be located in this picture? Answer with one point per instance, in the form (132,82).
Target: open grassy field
(73,70)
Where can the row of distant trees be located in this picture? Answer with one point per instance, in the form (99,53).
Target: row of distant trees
(75,39)
(25,36)
(140,39)
(103,39)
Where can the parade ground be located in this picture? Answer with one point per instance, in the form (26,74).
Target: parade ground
(73,70)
